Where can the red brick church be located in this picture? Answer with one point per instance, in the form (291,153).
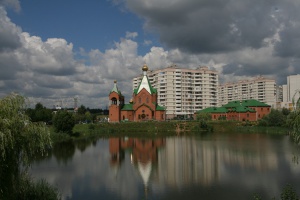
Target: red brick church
(142,107)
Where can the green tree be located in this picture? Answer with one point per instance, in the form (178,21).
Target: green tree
(20,141)
(39,113)
(88,116)
(203,118)
(274,118)
(81,110)
(63,121)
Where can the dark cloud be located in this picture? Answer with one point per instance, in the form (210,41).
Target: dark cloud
(209,26)
(289,44)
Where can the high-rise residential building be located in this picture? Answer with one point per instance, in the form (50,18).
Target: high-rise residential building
(259,88)
(293,87)
(183,91)
(291,91)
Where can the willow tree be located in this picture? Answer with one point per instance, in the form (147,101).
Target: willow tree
(20,141)
(293,122)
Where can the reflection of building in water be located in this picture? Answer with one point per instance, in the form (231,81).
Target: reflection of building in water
(188,160)
(253,154)
(144,153)
(183,161)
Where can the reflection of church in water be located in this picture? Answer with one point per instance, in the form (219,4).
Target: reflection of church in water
(144,154)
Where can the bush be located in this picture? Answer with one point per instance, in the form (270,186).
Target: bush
(63,121)
(274,118)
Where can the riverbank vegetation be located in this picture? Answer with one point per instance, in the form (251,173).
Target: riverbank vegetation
(20,141)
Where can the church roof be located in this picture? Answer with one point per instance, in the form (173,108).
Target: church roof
(158,107)
(127,107)
(115,89)
(145,83)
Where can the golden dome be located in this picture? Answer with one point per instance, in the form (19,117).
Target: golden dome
(145,67)
(131,101)
(115,81)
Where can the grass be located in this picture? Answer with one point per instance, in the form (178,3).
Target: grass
(161,129)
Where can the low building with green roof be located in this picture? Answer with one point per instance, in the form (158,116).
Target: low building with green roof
(246,110)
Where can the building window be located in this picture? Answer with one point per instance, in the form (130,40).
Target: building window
(114,101)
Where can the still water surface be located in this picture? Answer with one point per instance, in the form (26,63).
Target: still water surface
(215,166)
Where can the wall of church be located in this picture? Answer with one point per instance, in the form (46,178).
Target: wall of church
(160,115)
(143,97)
(143,113)
(127,115)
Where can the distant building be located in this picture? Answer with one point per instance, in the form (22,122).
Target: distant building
(143,105)
(291,92)
(259,88)
(246,110)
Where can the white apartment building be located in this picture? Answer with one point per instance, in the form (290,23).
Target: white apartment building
(260,88)
(291,91)
(183,91)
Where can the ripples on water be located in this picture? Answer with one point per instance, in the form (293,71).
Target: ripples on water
(216,166)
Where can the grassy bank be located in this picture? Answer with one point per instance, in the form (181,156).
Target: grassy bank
(160,129)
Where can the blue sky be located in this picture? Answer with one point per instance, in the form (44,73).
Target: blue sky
(53,51)
(92,24)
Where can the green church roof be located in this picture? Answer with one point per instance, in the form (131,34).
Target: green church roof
(115,89)
(145,83)
(158,107)
(127,107)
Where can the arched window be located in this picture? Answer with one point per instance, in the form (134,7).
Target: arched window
(114,101)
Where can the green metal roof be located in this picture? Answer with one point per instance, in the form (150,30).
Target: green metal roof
(246,103)
(127,107)
(254,103)
(243,109)
(152,90)
(115,89)
(158,107)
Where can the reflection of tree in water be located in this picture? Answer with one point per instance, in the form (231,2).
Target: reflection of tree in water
(64,151)
(83,144)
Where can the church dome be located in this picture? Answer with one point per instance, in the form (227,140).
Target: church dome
(145,67)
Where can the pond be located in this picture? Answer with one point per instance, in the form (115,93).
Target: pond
(213,166)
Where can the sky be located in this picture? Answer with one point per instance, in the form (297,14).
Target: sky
(54,51)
